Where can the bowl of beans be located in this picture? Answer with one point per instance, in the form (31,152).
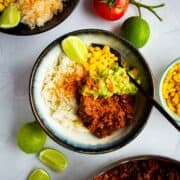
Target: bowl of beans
(169,89)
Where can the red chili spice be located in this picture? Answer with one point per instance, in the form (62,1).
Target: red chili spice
(69,83)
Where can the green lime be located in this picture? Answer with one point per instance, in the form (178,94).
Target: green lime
(54,159)
(39,174)
(31,138)
(136,30)
(10,17)
(75,49)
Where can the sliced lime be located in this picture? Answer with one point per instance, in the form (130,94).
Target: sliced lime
(39,174)
(75,49)
(31,138)
(54,159)
(10,17)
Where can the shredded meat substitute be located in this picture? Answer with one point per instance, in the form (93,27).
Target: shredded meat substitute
(142,170)
(103,116)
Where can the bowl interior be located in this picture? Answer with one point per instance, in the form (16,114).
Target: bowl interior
(162,100)
(22,29)
(83,141)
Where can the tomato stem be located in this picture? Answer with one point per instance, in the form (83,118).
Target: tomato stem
(148,7)
(110,3)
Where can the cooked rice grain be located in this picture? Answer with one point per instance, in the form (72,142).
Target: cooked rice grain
(38,12)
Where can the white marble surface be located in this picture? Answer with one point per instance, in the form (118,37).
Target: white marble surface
(17,56)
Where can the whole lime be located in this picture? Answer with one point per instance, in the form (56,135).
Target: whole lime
(136,30)
(31,138)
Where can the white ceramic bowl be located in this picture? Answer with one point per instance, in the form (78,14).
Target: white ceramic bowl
(84,141)
(162,100)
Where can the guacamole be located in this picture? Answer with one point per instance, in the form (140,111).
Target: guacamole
(109,82)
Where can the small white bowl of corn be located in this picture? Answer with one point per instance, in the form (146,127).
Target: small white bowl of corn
(169,89)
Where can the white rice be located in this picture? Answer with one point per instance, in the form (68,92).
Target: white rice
(62,108)
(38,12)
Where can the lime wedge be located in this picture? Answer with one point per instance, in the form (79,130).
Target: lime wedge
(10,17)
(75,49)
(31,138)
(54,159)
(39,174)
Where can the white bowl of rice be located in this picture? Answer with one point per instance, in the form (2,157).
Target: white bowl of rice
(56,113)
(38,16)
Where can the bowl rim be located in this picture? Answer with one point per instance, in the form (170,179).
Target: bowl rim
(161,98)
(137,158)
(39,31)
(131,135)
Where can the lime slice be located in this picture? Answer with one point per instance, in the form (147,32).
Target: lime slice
(31,138)
(75,49)
(54,159)
(39,174)
(10,17)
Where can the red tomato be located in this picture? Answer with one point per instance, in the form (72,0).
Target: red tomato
(110,9)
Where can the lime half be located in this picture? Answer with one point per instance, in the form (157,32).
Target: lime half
(54,159)
(10,17)
(39,174)
(75,49)
(31,138)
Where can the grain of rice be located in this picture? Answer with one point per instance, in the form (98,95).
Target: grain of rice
(62,108)
(38,12)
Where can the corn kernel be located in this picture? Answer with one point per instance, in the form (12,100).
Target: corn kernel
(99,59)
(1,7)
(171,88)
(4,4)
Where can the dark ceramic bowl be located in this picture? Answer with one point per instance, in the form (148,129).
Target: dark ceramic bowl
(84,142)
(22,29)
(170,162)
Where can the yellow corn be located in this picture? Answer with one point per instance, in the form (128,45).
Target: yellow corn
(171,89)
(1,7)
(99,59)
(4,4)
(178,108)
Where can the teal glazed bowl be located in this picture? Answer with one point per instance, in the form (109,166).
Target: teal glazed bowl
(161,98)
(85,142)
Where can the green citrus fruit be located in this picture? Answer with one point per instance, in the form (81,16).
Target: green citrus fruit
(31,138)
(54,159)
(10,17)
(136,30)
(75,49)
(39,174)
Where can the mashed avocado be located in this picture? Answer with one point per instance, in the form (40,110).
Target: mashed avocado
(109,82)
